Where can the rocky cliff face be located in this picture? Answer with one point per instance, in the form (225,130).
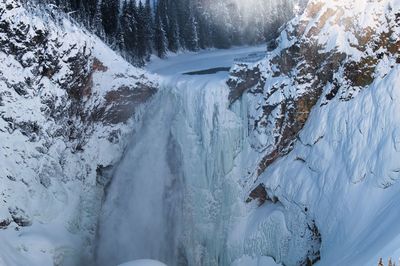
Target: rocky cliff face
(328,52)
(313,102)
(67,104)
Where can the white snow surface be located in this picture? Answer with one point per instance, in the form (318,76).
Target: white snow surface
(177,64)
(143,263)
(260,261)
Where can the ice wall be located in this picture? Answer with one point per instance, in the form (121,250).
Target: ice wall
(167,196)
(179,194)
(142,206)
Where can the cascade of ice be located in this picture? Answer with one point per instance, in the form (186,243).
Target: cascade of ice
(170,198)
(142,207)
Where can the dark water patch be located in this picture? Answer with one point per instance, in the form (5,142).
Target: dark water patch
(208,71)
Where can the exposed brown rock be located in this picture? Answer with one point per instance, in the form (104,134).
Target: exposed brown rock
(260,193)
(314,254)
(98,66)
(329,13)
(244,78)
(313,9)
(120,104)
(361,73)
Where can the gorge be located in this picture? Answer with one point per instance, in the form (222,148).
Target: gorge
(284,153)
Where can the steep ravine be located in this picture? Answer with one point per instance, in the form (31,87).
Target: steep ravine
(292,157)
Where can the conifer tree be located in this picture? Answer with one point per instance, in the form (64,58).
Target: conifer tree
(91,7)
(129,14)
(142,48)
(182,9)
(222,27)
(97,24)
(119,37)
(192,35)
(187,24)
(173,35)
(109,16)
(205,28)
(160,38)
(237,22)
(149,28)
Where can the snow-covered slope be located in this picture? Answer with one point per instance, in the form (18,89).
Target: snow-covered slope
(67,104)
(323,110)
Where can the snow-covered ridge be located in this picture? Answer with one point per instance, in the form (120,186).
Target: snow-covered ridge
(323,111)
(67,105)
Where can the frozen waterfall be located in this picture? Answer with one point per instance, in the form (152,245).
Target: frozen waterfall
(143,205)
(176,193)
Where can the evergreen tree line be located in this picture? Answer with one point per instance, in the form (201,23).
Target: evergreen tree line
(139,29)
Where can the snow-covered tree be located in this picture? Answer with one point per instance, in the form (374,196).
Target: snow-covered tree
(129,27)
(149,28)
(160,38)
(173,35)
(191,30)
(187,24)
(110,17)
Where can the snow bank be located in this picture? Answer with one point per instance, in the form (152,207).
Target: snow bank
(260,261)
(143,263)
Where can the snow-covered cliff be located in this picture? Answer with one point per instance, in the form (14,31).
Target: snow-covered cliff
(323,115)
(67,105)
